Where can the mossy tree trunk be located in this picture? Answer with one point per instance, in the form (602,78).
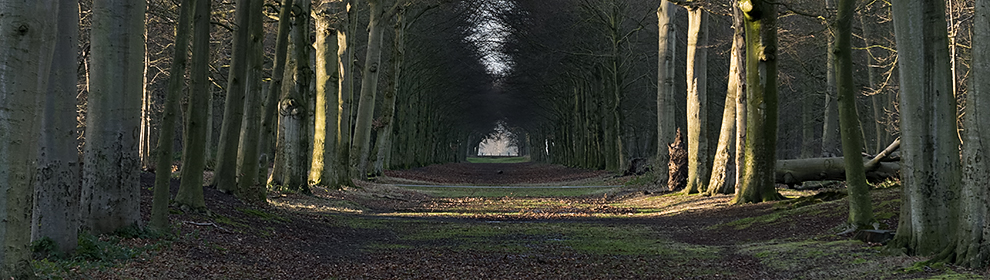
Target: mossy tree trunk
(269,123)
(860,209)
(176,82)
(292,147)
(756,182)
(111,169)
(248,154)
(190,193)
(930,174)
(26,48)
(697,100)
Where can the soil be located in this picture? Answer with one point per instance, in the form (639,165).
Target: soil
(379,231)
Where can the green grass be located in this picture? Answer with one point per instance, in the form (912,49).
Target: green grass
(510,192)
(497,159)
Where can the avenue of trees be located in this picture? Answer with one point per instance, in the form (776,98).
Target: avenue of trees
(292,94)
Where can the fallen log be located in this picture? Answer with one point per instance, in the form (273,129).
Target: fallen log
(796,171)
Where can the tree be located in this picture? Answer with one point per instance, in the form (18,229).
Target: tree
(697,100)
(194,141)
(26,48)
(291,159)
(111,167)
(756,182)
(249,140)
(860,208)
(225,175)
(723,175)
(163,167)
(327,88)
(931,169)
(369,85)
(268,121)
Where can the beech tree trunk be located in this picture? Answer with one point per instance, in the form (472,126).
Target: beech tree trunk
(384,139)
(327,87)
(194,138)
(860,208)
(723,175)
(369,89)
(697,100)
(248,154)
(268,121)
(291,158)
(26,47)
(929,220)
(345,97)
(756,180)
(225,173)
(112,165)
(176,81)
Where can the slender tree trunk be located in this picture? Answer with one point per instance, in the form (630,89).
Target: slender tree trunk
(26,48)
(225,174)
(831,141)
(268,121)
(723,169)
(369,87)
(190,193)
(973,247)
(757,178)
(697,100)
(248,154)
(388,111)
(111,169)
(327,87)
(860,209)
(930,174)
(166,135)
(666,127)
(345,97)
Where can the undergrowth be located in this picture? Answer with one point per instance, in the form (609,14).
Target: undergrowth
(95,252)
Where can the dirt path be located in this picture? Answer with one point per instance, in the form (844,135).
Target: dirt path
(385,232)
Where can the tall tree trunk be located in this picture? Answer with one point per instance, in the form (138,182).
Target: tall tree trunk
(860,209)
(166,135)
(666,127)
(225,173)
(756,182)
(268,121)
(384,139)
(369,89)
(248,154)
(111,169)
(930,173)
(194,138)
(292,146)
(831,141)
(345,40)
(973,247)
(26,48)
(723,178)
(327,87)
(697,100)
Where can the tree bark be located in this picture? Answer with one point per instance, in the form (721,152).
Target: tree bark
(756,181)
(384,139)
(177,74)
(327,88)
(723,178)
(796,171)
(369,87)
(268,121)
(225,173)
(929,220)
(26,48)
(291,149)
(860,208)
(248,154)
(345,97)
(697,100)
(111,169)
(194,138)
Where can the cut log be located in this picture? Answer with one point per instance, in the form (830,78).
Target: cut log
(795,171)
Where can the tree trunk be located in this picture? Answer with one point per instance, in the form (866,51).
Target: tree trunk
(111,169)
(723,169)
(345,97)
(369,87)
(860,209)
(291,148)
(831,141)
(268,121)
(166,135)
(225,173)
(194,138)
(877,97)
(248,154)
(929,220)
(388,111)
(796,171)
(756,180)
(327,88)
(697,100)
(973,247)
(26,49)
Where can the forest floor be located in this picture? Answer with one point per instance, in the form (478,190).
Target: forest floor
(601,226)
